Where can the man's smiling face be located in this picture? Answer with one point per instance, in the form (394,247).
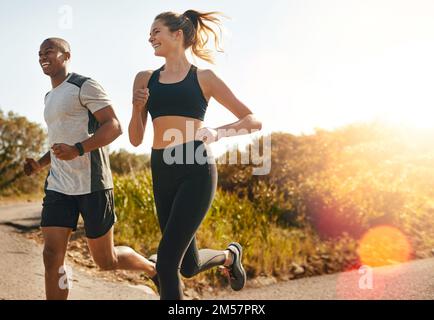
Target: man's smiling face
(53,56)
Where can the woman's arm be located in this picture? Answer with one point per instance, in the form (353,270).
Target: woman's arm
(247,123)
(136,128)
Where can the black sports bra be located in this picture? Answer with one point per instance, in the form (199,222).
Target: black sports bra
(184,98)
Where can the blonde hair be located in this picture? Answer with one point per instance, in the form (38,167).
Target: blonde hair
(197,28)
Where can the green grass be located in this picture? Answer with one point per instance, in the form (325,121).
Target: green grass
(270,250)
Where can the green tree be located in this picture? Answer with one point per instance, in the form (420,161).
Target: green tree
(123,162)
(19,139)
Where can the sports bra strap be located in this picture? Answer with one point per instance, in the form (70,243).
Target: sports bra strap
(155,75)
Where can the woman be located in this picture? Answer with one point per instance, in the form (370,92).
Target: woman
(176,96)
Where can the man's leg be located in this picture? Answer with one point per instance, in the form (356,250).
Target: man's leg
(109,257)
(55,244)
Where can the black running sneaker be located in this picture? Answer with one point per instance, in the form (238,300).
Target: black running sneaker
(237,275)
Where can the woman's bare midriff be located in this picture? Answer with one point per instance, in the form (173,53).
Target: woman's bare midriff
(173,130)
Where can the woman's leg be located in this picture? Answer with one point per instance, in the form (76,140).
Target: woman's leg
(196,261)
(190,205)
(164,190)
(183,196)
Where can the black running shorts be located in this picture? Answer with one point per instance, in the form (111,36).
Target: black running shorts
(96,208)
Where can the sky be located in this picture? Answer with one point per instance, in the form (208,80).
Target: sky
(297,64)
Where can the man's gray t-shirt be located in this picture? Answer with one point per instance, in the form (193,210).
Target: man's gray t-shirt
(69,116)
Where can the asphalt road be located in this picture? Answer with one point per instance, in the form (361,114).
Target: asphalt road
(22,269)
(21,274)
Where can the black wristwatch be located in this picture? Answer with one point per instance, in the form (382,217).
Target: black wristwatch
(80,149)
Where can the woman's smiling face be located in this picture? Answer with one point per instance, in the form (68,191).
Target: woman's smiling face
(163,40)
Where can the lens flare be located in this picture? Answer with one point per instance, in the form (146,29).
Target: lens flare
(384,245)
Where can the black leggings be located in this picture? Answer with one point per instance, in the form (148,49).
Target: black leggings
(183,193)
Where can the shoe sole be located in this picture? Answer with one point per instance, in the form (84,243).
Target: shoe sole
(241,268)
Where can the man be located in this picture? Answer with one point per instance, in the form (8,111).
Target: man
(81,123)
